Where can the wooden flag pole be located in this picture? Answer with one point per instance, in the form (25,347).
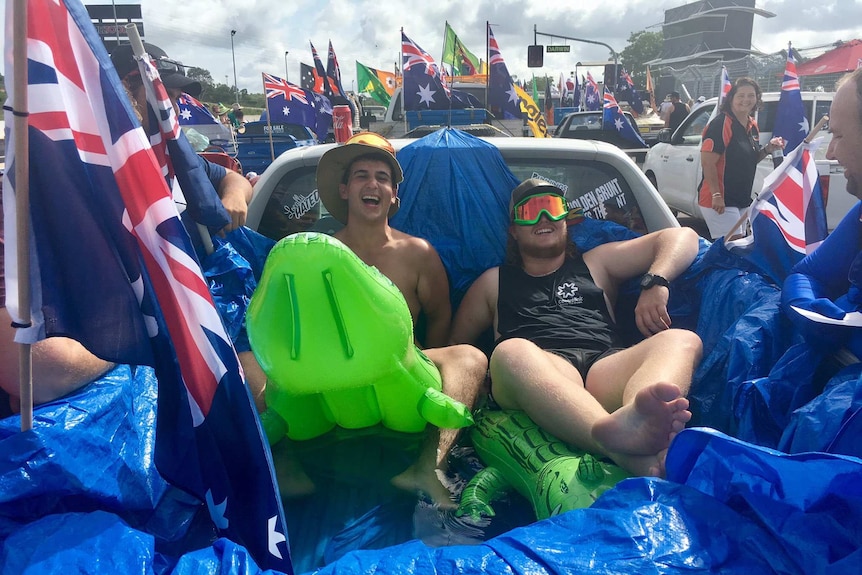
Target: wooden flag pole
(22,206)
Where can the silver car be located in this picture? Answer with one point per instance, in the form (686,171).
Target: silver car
(596,176)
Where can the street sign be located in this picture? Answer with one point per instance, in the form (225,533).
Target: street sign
(558,48)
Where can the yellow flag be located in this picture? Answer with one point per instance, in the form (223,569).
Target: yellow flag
(535,119)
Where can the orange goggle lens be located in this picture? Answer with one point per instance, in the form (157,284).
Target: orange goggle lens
(529,210)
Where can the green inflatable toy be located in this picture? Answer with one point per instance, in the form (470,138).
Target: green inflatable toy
(335,339)
(520,455)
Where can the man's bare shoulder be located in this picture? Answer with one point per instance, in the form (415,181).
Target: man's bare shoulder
(413,245)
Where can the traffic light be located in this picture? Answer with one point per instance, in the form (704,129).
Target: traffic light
(535,56)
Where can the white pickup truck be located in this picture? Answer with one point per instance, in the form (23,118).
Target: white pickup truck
(673,164)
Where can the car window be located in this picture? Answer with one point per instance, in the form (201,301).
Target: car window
(821,108)
(596,187)
(584,122)
(294,205)
(691,130)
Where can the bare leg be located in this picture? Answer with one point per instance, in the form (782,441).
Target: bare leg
(60,365)
(463,369)
(255,378)
(552,393)
(643,387)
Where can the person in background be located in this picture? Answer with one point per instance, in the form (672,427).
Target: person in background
(665,108)
(236,117)
(232,188)
(678,112)
(729,153)
(558,355)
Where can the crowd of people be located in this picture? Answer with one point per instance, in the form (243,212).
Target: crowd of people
(557,353)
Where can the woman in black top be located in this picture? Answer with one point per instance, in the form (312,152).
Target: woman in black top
(729,154)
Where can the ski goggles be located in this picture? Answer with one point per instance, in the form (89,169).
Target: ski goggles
(528,211)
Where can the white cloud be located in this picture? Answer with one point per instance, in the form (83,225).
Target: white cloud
(197,32)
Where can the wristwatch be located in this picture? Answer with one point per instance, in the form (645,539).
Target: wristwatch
(649,280)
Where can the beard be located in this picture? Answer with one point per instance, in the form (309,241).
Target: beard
(546,250)
(853,187)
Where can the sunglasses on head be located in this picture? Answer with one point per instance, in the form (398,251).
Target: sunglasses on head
(166,66)
(528,211)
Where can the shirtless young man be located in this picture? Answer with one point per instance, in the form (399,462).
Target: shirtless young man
(558,356)
(358,184)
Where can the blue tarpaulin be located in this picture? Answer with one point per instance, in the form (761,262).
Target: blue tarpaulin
(80,493)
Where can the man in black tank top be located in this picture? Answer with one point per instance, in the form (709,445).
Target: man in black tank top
(678,112)
(557,354)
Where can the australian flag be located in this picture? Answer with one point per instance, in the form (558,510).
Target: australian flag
(788,219)
(333,73)
(592,98)
(289,104)
(626,90)
(502,97)
(113,267)
(193,113)
(613,119)
(308,78)
(425,86)
(790,121)
(323,87)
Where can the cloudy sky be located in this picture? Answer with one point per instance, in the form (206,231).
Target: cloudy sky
(197,32)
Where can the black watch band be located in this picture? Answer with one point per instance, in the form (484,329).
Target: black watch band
(649,280)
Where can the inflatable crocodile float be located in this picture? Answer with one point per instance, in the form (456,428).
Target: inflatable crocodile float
(520,455)
(335,339)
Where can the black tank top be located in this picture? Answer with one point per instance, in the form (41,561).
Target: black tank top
(677,116)
(562,310)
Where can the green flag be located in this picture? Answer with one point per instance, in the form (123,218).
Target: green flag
(367,82)
(463,62)
(535,90)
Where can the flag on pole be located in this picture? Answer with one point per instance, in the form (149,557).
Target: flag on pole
(289,104)
(788,219)
(650,89)
(193,112)
(724,90)
(502,97)
(176,157)
(549,103)
(614,120)
(368,82)
(592,98)
(791,122)
(333,73)
(100,208)
(531,111)
(456,57)
(626,88)
(308,78)
(321,77)
(425,86)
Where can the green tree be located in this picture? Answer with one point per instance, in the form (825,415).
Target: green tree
(643,46)
(201,75)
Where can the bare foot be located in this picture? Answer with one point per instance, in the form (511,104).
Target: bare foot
(416,480)
(291,477)
(646,425)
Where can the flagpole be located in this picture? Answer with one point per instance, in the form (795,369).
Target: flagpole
(22,206)
(139,52)
(488,62)
(268,118)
